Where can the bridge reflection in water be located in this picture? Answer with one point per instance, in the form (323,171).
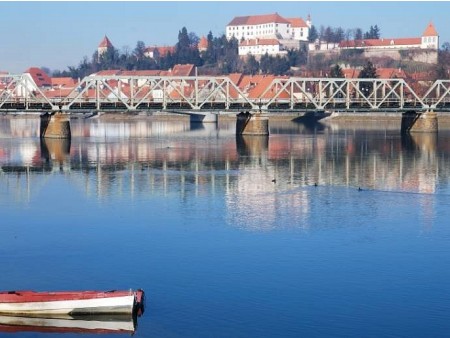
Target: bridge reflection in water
(254,173)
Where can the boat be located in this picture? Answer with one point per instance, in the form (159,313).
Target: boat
(38,304)
(88,324)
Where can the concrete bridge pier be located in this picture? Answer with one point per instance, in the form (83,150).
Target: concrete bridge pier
(417,122)
(55,125)
(252,124)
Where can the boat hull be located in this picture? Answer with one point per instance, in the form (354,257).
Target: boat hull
(28,303)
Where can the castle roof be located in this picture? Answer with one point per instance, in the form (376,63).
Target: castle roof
(297,22)
(430,30)
(367,43)
(257,20)
(105,43)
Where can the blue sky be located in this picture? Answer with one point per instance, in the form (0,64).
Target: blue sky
(60,34)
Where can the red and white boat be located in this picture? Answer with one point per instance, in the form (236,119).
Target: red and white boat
(38,304)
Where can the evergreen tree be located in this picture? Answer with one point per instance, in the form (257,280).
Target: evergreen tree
(251,66)
(339,35)
(373,33)
(209,56)
(313,34)
(264,63)
(368,72)
(358,34)
(336,72)
(139,51)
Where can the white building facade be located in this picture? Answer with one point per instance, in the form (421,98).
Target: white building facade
(258,47)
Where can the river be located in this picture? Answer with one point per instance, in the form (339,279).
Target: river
(316,231)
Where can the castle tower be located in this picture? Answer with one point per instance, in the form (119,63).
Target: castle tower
(430,38)
(103,47)
(308,21)
(203,44)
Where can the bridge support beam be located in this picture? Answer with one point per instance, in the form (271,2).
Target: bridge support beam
(252,124)
(55,125)
(416,122)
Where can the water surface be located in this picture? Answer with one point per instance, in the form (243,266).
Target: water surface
(315,231)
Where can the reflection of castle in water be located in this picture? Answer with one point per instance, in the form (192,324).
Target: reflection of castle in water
(257,173)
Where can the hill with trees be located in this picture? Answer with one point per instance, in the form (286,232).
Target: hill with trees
(221,57)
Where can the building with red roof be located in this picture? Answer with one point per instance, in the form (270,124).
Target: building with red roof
(259,47)
(63,82)
(257,32)
(39,77)
(156,52)
(183,70)
(268,26)
(428,40)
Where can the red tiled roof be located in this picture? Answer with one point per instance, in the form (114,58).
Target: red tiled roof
(108,72)
(379,42)
(39,77)
(235,78)
(389,73)
(351,73)
(257,20)
(140,72)
(105,43)
(421,76)
(430,30)
(297,22)
(55,93)
(183,70)
(259,42)
(66,82)
(164,50)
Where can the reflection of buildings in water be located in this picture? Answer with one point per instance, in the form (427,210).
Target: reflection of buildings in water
(127,129)
(254,200)
(21,126)
(421,147)
(243,167)
(25,153)
(255,203)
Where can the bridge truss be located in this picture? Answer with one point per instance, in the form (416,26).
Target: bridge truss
(20,92)
(205,93)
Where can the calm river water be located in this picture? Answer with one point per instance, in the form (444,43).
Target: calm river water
(234,237)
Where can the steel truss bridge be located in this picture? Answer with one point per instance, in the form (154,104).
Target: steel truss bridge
(201,94)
